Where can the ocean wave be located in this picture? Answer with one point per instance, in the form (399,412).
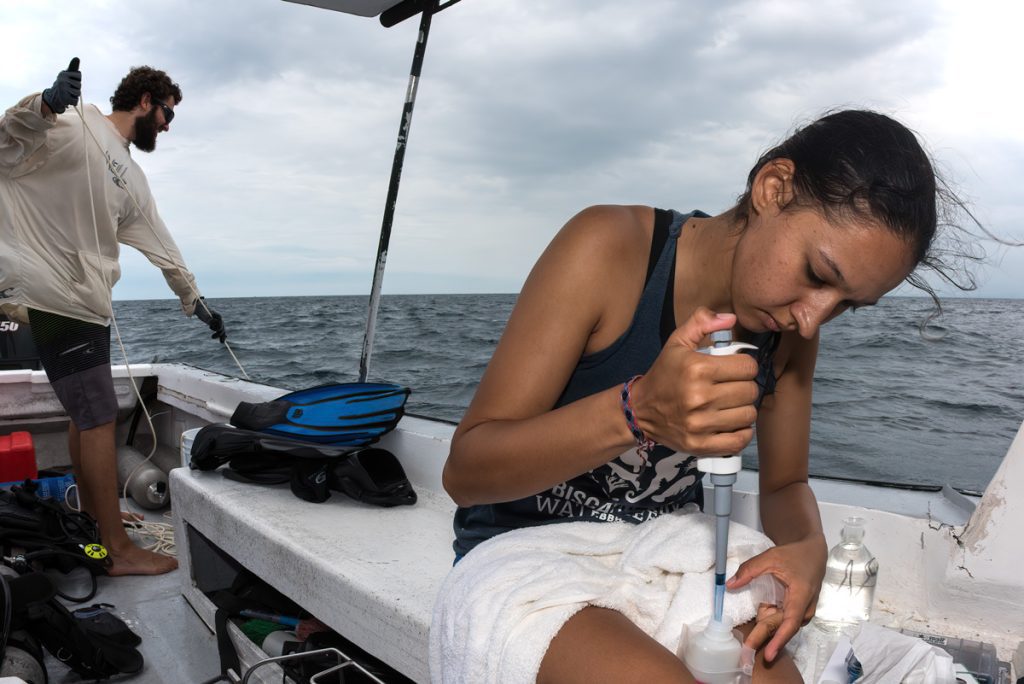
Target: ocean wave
(888,404)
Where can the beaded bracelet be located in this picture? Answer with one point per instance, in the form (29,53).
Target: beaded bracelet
(644,444)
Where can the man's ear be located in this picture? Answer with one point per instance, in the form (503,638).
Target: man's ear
(772,189)
(146,101)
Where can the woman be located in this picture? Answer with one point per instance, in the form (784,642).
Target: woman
(596,397)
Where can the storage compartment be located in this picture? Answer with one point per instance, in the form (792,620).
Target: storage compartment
(224,582)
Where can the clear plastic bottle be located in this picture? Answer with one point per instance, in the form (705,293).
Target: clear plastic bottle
(849,586)
(713,654)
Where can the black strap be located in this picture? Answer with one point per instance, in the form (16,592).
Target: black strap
(226,649)
(667,324)
(662,222)
(228,604)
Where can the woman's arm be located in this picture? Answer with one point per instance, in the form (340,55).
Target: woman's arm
(579,298)
(789,511)
(510,443)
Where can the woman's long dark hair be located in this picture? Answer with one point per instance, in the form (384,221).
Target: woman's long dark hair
(858,164)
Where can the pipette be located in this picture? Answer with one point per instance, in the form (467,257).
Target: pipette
(723,471)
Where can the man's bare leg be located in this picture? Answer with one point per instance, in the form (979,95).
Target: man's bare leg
(601,645)
(84,502)
(97,488)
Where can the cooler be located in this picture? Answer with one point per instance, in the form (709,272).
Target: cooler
(17,457)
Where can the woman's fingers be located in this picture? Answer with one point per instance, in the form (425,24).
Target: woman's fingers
(769,618)
(789,566)
(697,403)
(787,630)
(720,443)
(701,323)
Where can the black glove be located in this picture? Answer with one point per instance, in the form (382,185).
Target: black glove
(210,318)
(65,90)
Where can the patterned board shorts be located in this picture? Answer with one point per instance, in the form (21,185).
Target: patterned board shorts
(76,358)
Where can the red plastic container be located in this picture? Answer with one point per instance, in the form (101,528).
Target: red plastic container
(17,457)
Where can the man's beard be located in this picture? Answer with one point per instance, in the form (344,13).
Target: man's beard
(145,131)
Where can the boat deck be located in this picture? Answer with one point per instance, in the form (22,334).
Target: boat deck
(176,645)
(950,566)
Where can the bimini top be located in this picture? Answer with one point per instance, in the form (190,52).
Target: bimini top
(364,8)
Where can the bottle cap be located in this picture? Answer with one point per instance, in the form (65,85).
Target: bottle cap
(853,529)
(714,652)
(719,630)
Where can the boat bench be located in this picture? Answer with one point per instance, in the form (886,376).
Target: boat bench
(369,573)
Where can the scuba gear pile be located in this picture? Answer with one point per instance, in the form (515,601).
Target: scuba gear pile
(371,475)
(38,533)
(92,641)
(37,530)
(315,439)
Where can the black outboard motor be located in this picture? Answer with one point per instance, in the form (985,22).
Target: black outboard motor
(17,350)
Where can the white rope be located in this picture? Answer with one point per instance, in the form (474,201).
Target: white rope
(161,533)
(157,537)
(80,110)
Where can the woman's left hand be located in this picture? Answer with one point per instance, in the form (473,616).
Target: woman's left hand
(800,567)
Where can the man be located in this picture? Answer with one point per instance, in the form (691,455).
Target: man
(69,194)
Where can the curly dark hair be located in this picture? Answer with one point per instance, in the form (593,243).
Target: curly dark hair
(144,79)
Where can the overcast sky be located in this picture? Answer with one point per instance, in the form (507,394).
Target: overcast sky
(274,173)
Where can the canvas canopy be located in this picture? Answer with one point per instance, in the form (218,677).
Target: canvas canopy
(364,8)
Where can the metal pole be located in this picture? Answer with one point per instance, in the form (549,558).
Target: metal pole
(392,199)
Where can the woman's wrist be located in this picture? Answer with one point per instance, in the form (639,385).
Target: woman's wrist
(644,444)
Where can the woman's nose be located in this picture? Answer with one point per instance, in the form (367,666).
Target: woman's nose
(814,311)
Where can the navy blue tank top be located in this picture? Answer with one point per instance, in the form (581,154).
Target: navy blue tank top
(627,488)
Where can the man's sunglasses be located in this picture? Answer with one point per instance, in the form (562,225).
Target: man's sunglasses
(168,112)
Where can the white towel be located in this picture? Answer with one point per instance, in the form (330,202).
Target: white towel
(501,606)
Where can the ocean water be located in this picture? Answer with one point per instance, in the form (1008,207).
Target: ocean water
(889,404)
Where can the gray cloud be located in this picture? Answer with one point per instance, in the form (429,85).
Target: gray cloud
(274,175)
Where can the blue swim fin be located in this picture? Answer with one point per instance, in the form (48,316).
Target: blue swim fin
(346,414)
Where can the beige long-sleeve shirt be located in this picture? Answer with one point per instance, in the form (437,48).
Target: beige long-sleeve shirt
(64,210)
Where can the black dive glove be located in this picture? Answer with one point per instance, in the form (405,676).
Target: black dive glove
(210,318)
(65,90)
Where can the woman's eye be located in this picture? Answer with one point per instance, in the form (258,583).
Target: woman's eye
(812,277)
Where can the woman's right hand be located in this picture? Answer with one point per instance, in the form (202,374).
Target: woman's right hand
(693,402)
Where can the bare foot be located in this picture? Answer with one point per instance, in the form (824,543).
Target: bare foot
(135,561)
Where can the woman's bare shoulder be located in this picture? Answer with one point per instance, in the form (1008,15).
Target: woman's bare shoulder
(608,232)
(614,220)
